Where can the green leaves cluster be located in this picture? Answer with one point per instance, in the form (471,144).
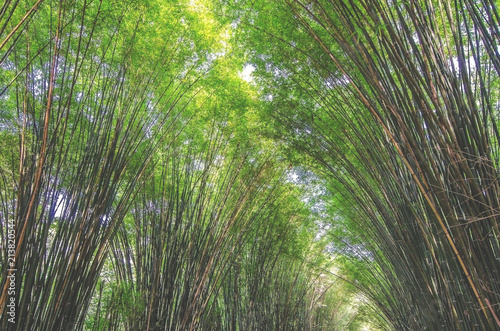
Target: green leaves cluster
(143,191)
(392,104)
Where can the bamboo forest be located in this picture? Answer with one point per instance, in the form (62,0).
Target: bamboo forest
(249,165)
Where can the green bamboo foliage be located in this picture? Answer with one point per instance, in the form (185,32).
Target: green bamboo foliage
(85,123)
(427,83)
(267,287)
(403,120)
(274,291)
(13,19)
(189,231)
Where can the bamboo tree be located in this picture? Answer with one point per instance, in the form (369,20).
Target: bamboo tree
(190,224)
(397,109)
(90,121)
(12,23)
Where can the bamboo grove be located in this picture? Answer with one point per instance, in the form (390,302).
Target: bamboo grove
(136,200)
(351,184)
(397,106)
